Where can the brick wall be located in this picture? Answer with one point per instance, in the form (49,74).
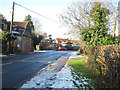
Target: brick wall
(26,44)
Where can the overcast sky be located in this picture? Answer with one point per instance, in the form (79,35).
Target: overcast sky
(49,8)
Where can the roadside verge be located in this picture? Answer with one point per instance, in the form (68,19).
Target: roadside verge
(82,75)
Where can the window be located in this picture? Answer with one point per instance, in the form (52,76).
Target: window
(5,26)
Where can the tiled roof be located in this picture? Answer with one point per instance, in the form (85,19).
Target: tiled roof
(22,24)
(60,39)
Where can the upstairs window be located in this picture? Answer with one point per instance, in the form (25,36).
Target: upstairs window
(5,27)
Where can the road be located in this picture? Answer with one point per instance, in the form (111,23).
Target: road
(16,69)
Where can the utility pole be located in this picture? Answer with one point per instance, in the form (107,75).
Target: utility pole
(11,28)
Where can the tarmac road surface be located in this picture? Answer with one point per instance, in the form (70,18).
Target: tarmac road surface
(18,68)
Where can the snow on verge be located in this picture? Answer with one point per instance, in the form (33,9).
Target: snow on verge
(64,78)
(52,79)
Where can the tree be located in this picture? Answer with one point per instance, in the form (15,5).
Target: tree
(29,19)
(36,37)
(77,16)
(113,7)
(37,25)
(50,38)
(97,33)
(115,20)
(1,16)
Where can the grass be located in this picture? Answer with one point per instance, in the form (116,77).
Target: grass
(79,66)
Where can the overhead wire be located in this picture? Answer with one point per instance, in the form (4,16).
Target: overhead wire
(35,12)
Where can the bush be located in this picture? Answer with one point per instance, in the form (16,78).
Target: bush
(4,36)
(80,50)
(83,50)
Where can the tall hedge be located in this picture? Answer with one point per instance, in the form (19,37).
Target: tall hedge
(106,60)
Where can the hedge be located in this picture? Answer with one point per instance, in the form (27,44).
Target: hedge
(106,60)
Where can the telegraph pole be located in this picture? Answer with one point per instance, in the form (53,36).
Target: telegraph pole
(11,28)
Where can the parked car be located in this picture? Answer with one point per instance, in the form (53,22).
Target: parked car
(62,48)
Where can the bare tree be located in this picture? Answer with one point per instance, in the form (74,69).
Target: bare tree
(37,26)
(77,16)
(115,19)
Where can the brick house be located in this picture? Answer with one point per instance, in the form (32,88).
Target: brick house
(22,34)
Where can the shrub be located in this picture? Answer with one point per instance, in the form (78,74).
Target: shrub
(4,36)
(80,50)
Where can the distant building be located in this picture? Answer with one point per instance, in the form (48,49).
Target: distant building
(60,40)
(69,44)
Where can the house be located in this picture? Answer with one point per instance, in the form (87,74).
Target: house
(4,25)
(22,31)
(61,41)
(69,44)
(22,34)
(46,45)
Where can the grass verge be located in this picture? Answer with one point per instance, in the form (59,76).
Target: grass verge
(79,66)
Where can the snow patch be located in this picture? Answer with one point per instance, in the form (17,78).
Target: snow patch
(52,79)
(3,55)
(44,51)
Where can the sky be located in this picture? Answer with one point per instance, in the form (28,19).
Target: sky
(48,8)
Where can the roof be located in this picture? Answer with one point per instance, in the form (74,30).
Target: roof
(22,24)
(60,39)
(75,40)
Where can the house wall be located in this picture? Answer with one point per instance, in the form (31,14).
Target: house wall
(26,44)
(17,44)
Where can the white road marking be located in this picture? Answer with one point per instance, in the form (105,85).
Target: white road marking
(5,64)
(49,62)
